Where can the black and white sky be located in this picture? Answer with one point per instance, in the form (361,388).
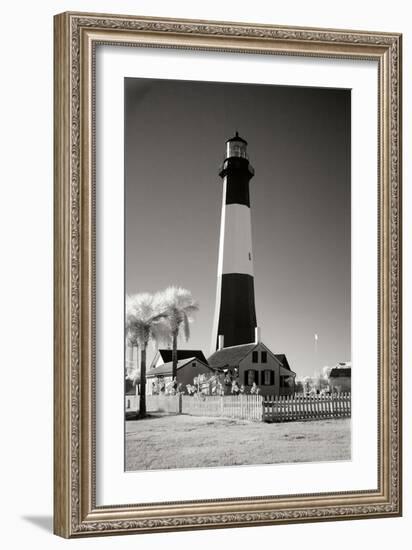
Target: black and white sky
(299,145)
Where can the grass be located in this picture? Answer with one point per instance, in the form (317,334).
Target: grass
(183,441)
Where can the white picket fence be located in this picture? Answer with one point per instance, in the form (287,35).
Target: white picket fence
(247,407)
(310,407)
(255,407)
(163,403)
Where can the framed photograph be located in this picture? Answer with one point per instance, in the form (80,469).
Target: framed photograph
(227,274)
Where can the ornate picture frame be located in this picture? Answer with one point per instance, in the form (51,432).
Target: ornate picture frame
(76,36)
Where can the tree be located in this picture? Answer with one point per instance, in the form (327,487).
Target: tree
(144,319)
(180,307)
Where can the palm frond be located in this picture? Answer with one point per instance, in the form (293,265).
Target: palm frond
(186,328)
(181,306)
(160,333)
(142,313)
(159,316)
(131,336)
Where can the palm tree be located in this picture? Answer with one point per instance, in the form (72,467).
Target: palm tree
(143,320)
(180,307)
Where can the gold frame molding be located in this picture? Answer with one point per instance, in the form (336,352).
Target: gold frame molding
(75,38)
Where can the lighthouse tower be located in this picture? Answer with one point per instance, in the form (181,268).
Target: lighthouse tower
(235,315)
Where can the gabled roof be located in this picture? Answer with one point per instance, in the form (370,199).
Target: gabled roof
(166,355)
(231,357)
(337,372)
(282,358)
(167,368)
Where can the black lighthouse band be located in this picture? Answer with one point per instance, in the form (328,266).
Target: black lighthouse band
(238,172)
(237,314)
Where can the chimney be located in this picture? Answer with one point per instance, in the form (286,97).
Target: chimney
(221,341)
(257,335)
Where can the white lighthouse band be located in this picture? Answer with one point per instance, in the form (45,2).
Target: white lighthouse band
(235,250)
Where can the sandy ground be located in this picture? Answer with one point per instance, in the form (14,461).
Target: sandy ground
(182,441)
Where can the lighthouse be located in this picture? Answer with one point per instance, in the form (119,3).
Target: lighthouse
(235,314)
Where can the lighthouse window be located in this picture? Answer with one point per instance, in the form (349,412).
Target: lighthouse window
(255,357)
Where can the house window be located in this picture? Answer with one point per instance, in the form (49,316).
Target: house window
(128,403)
(255,357)
(264,356)
(194,364)
(267,378)
(250,377)
(286,381)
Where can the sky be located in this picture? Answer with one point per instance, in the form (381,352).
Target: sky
(299,146)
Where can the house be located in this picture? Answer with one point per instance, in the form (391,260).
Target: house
(255,363)
(159,378)
(340,378)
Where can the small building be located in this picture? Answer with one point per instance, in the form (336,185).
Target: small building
(255,363)
(340,378)
(159,378)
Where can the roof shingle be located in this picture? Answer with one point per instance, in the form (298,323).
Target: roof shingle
(166,354)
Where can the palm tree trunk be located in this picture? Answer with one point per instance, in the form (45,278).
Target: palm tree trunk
(174,356)
(137,369)
(142,405)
